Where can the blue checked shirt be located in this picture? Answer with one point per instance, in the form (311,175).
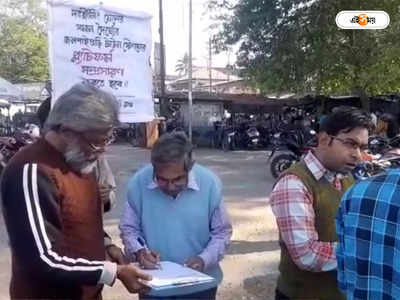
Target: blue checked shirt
(368,230)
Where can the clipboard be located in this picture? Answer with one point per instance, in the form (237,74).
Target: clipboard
(173,275)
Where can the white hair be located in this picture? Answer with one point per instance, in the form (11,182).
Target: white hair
(84,108)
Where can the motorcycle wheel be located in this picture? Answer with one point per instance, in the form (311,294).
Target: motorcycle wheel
(281,163)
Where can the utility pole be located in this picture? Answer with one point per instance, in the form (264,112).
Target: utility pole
(210,63)
(163,107)
(229,63)
(190,99)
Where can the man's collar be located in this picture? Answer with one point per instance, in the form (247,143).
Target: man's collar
(192,182)
(317,169)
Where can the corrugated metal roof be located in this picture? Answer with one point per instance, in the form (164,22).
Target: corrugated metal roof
(9,91)
(32,91)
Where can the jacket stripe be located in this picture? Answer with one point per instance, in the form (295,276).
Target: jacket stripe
(37,226)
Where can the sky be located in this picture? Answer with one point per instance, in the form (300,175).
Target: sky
(176,31)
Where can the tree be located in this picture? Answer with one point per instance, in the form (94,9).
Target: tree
(182,65)
(23,42)
(295,46)
(31,11)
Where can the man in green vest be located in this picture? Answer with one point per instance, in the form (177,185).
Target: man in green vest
(305,200)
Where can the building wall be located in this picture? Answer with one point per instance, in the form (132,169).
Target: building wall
(204,114)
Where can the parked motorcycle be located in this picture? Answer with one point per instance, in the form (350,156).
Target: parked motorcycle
(251,138)
(11,145)
(376,166)
(229,139)
(298,142)
(385,155)
(243,138)
(378,144)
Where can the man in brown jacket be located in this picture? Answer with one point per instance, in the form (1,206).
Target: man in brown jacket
(52,207)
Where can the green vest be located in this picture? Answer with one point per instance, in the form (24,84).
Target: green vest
(300,284)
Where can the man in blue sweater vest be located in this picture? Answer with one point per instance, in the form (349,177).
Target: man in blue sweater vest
(176,207)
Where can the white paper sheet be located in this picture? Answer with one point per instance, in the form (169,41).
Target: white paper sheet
(175,275)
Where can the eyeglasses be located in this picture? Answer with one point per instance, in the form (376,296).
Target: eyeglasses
(98,146)
(95,147)
(351,144)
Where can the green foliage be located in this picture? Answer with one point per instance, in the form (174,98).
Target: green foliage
(295,45)
(23,42)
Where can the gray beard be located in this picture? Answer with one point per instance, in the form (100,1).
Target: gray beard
(77,161)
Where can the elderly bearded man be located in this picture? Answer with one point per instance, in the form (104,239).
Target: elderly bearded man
(52,205)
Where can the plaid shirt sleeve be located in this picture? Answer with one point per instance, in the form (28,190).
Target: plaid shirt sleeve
(341,275)
(292,205)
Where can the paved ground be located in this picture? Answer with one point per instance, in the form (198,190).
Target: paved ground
(250,267)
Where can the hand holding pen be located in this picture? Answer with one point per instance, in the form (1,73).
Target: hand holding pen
(146,258)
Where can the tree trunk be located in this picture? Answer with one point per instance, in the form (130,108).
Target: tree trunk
(365,104)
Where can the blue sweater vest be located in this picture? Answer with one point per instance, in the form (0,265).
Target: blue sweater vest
(177,228)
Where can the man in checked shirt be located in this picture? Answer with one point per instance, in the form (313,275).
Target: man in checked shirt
(305,200)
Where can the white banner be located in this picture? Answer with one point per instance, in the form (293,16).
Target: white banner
(107,46)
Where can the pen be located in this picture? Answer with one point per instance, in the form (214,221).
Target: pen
(143,244)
